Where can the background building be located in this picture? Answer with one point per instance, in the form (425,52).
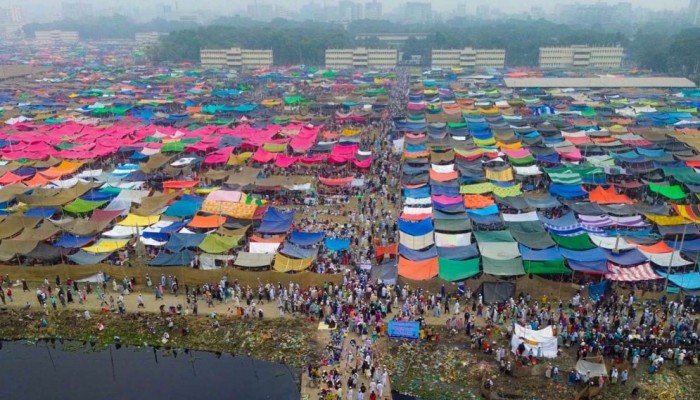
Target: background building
(235,58)
(416,12)
(57,36)
(147,38)
(468,58)
(581,57)
(373,10)
(361,58)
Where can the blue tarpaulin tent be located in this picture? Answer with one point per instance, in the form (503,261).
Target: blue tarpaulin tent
(306,238)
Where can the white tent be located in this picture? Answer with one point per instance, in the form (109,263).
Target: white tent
(542,342)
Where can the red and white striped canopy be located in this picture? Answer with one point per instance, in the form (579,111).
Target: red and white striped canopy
(641,272)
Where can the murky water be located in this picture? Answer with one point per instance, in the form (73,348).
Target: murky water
(73,371)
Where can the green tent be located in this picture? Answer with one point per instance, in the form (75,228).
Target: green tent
(173,147)
(577,242)
(293,100)
(511,267)
(216,244)
(457,270)
(674,192)
(546,267)
(80,206)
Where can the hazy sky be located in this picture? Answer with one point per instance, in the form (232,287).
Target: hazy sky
(229,7)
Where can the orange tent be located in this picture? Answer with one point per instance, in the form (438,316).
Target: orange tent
(607,196)
(477,201)
(209,222)
(443,176)
(391,250)
(658,248)
(10,178)
(418,270)
(37,181)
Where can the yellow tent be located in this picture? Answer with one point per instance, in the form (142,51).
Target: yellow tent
(106,246)
(139,220)
(286,264)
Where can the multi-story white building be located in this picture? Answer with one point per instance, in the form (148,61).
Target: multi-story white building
(235,58)
(469,58)
(581,57)
(57,36)
(361,58)
(147,38)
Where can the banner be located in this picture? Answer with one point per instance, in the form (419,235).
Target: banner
(404,329)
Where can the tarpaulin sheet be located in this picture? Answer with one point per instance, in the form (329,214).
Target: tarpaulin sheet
(494,236)
(533,240)
(589,267)
(529,254)
(418,270)
(276,221)
(44,232)
(44,212)
(499,250)
(672,192)
(594,254)
(417,228)
(505,267)
(263,247)
(85,258)
(79,206)
(216,244)
(577,242)
(12,247)
(495,292)
(687,281)
(600,195)
(415,242)
(186,207)
(138,220)
(285,264)
(207,222)
(458,252)
(306,238)
(541,342)
(13,224)
(180,241)
(597,290)
(165,259)
(336,244)
(153,204)
(418,255)
(69,241)
(45,252)
(457,270)
(629,257)
(611,243)
(451,240)
(670,259)
(545,267)
(235,210)
(295,251)
(106,246)
(595,369)
(253,260)
(387,271)
(567,191)
(453,225)
(637,273)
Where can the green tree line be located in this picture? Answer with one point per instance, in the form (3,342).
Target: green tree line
(663,46)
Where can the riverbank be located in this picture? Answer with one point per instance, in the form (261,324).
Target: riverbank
(288,341)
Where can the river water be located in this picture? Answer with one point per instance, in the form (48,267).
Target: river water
(72,371)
